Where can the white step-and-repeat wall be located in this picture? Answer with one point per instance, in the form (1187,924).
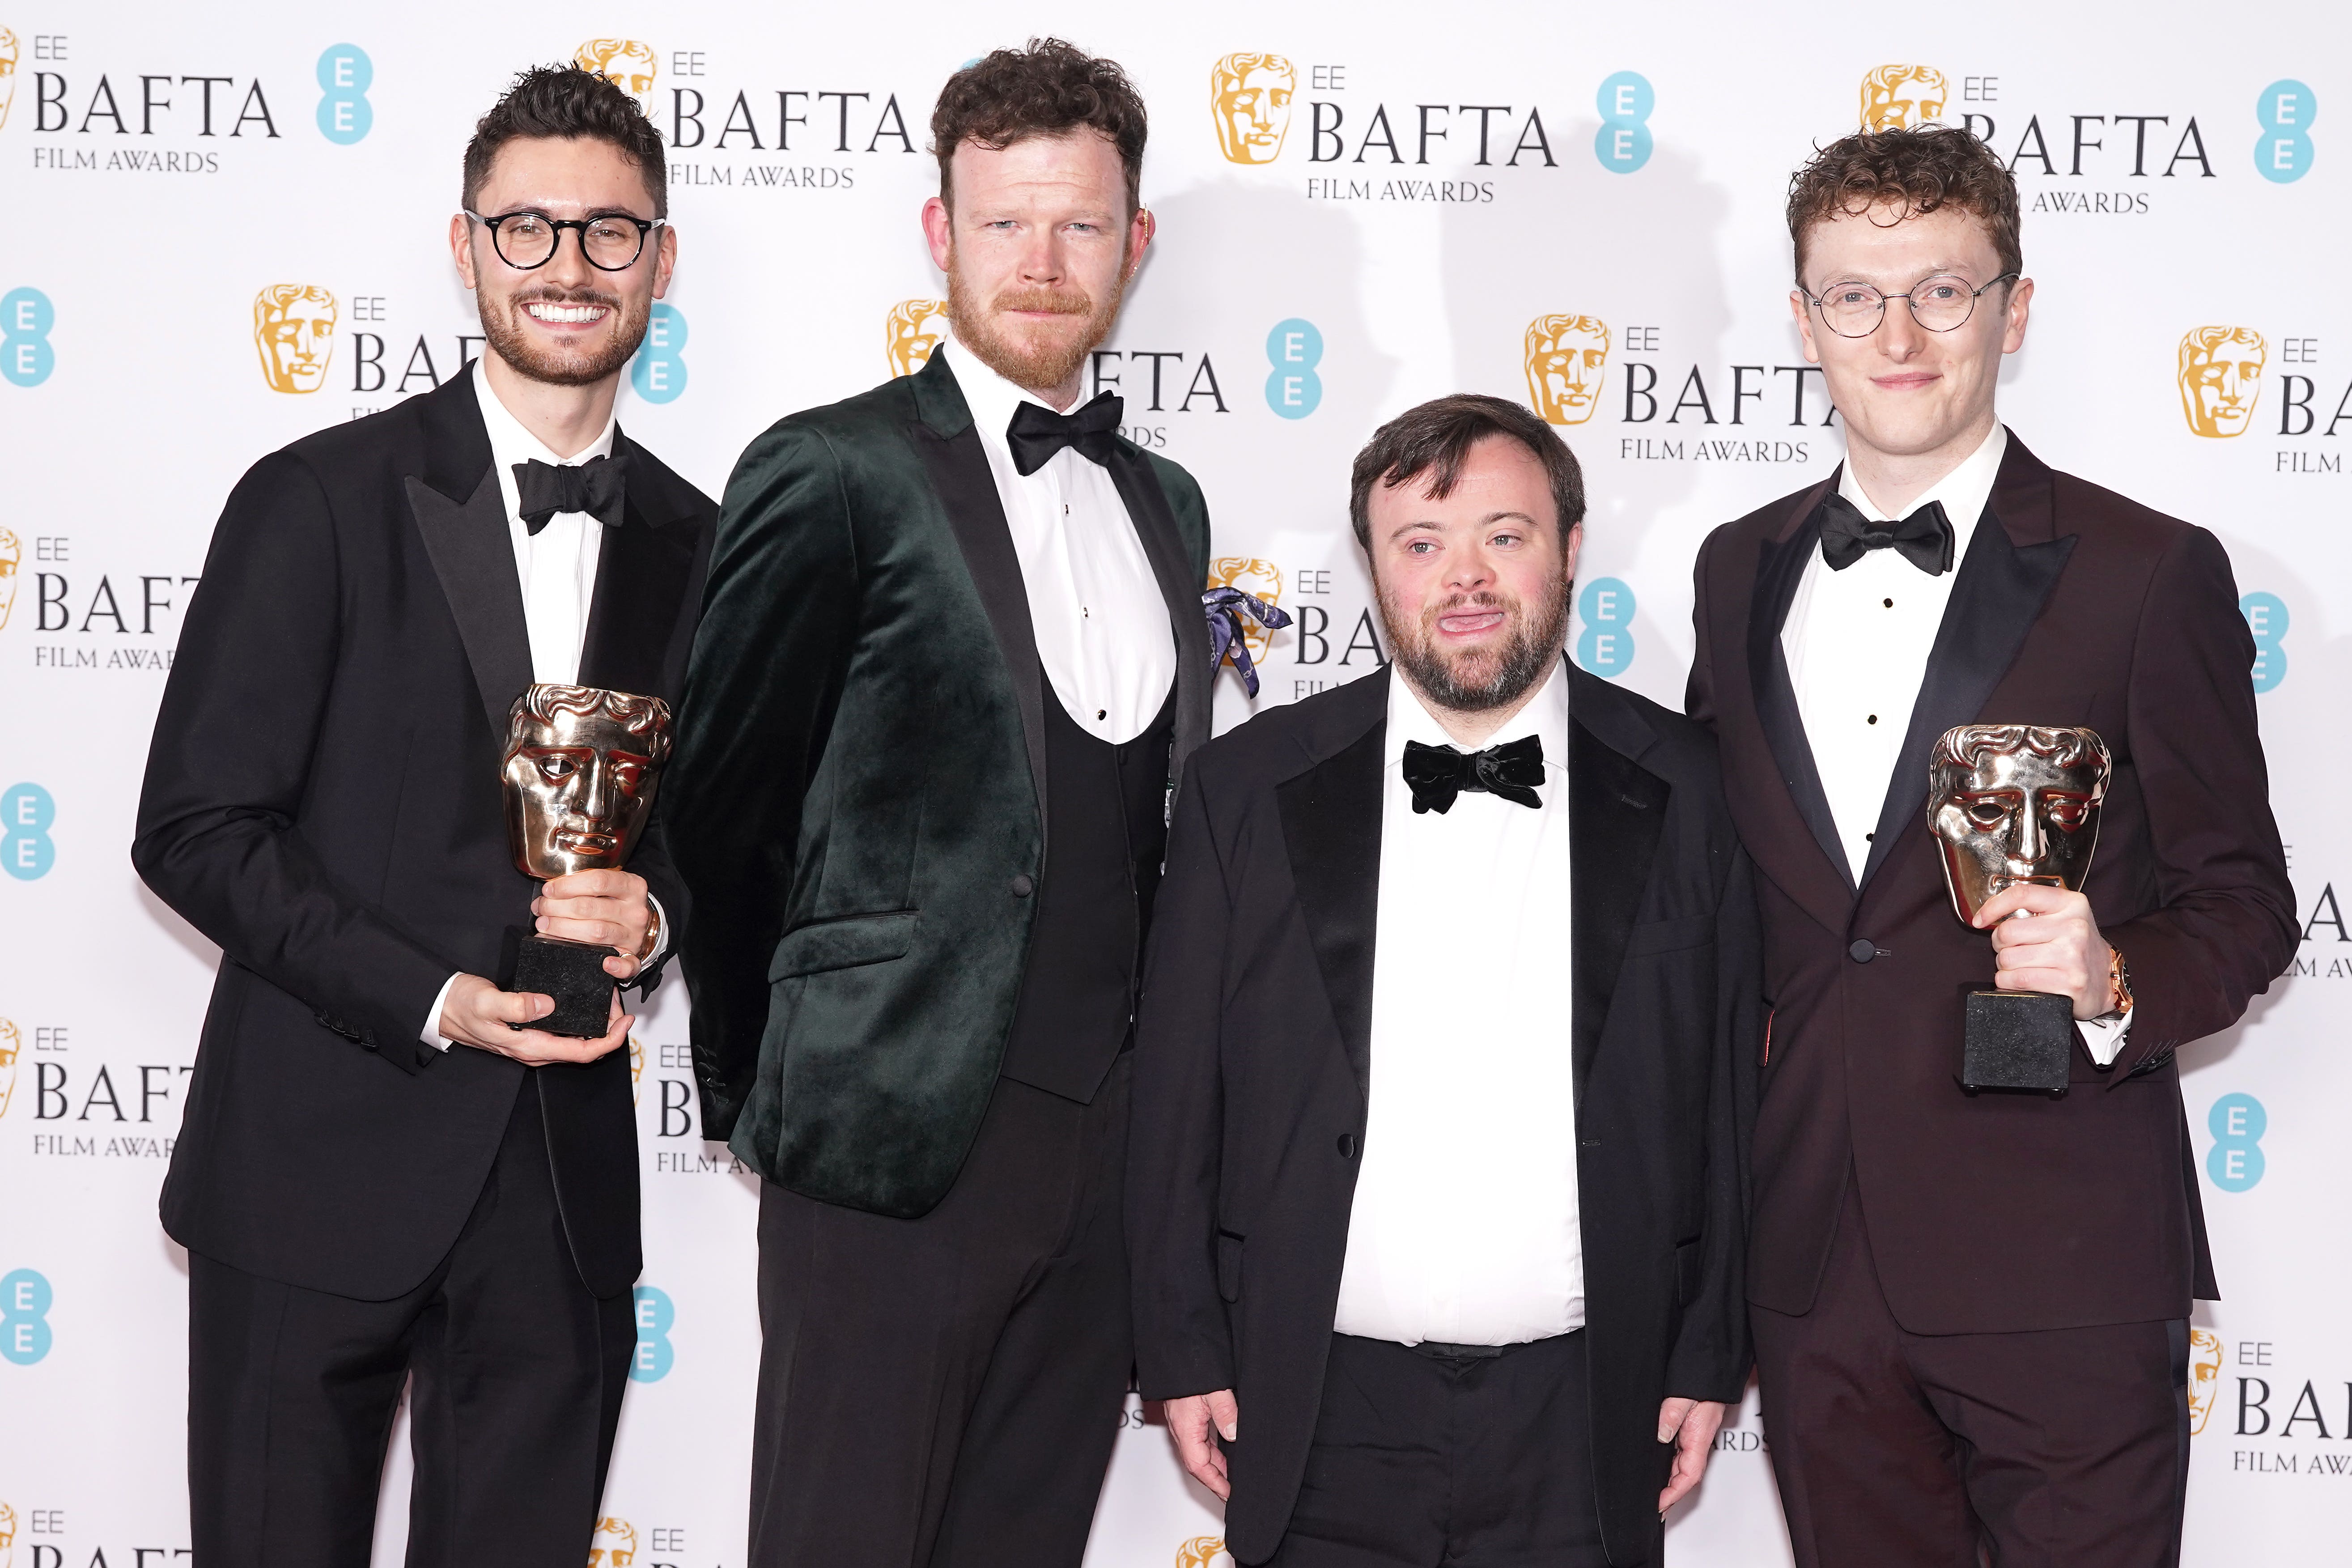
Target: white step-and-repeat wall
(229,232)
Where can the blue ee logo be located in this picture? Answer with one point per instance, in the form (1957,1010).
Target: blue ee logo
(1623,145)
(344,113)
(2237,1122)
(25,1300)
(1294,348)
(26,850)
(2266,618)
(1607,645)
(650,1363)
(2286,110)
(26,318)
(657,374)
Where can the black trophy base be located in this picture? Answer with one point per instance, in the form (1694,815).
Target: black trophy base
(2017,1039)
(573,974)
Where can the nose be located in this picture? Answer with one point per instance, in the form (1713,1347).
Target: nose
(569,268)
(2032,835)
(1900,336)
(594,794)
(1041,257)
(1469,570)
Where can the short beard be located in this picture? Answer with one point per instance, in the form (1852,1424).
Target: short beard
(591,363)
(1037,365)
(1482,681)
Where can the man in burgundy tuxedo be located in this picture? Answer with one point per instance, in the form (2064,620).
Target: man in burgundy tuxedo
(1971,1310)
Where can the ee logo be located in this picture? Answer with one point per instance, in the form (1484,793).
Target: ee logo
(2286,110)
(344,113)
(26,850)
(2237,1122)
(1294,348)
(2266,618)
(1607,645)
(657,374)
(651,1360)
(26,318)
(25,1300)
(1623,143)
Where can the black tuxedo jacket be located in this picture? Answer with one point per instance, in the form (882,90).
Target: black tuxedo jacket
(859,799)
(1253,1074)
(323,800)
(2000,1213)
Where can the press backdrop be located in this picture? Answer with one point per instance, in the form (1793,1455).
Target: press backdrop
(228,231)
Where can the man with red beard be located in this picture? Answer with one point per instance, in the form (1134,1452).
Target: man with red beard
(1437,1186)
(953,658)
(386,1176)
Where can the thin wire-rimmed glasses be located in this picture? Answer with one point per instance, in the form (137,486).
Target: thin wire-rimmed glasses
(524,240)
(1940,304)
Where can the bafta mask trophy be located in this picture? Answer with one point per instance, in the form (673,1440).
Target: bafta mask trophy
(2010,804)
(580,769)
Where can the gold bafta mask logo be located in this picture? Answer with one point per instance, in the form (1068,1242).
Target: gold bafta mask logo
(1250,96)
(1896,96)
(580,771)
(2220,378)
(12,1044)
(1567,358)
(614,1544)
(1203,1552)
(1260,579)
(2204,1376)
(12,556)
(636,1066)
(913,330)
(294,330)
(7,72)
(626,62)
(7,1535)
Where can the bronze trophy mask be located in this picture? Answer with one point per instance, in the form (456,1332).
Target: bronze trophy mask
(579,773)
(2010,804)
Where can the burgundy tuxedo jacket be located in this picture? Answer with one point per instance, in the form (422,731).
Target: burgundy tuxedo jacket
(1998,1212)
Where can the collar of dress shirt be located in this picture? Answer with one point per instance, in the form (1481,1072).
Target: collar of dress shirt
(511,442)
(1963,491)
(1545,717)
(989,395)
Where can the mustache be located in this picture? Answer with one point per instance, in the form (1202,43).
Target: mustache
(551,294)
(1056,302)
(1485,599)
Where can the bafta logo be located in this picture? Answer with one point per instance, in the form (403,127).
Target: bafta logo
(294,330)
(913,330)
(1567,357)
(7,1535)
(626,62)
(1250,96)
(1260,579)
(7,72)
(2204,1376)
(636,1066)
(12,1042)
(12,556)
(1203,1552)
(1896,96)
(2220,378)
(614,1544)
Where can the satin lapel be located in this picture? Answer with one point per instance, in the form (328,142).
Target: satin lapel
(643,577)
(1616,813)
(1155,525)
(1331,830)
(1779,566)
(966,489)
(474,561)
(1999,594)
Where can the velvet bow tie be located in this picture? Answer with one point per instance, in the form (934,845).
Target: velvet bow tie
(1438,774)
(599,487)
(1037,432)
(1924,539)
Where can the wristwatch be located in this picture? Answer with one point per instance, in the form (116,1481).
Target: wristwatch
(2119,988)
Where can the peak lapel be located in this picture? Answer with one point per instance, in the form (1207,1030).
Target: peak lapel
(645,574)
(1779,566)
(1617,811)
(473,560)
(1331,832)
(1163,545)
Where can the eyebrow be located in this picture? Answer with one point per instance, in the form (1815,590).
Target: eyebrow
(1401,529)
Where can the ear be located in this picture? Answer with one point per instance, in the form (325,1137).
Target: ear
(2020,305)
(1567,561)
(665,260)
(461,249)
(1139,230)
(1797,308)
(939,232)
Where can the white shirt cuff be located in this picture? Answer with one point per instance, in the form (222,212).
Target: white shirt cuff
(430,1034)
(661,934)
(2104,1041)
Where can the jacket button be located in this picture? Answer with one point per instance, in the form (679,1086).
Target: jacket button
(1862,952)
(1022,887)
(1347,1145)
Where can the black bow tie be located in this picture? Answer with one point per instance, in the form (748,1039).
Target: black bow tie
(1438,774)
(1924,539)
(1037,432)
(599,487)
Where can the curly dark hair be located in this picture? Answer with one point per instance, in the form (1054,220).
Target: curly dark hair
(1051,87)
(1917,169)
(569,101)
(1435,439)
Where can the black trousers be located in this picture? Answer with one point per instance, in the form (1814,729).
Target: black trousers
(946,1390)
(1468,1460)
(2061,1448)
(518,1377)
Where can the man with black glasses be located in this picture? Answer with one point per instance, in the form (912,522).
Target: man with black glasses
(385,1171)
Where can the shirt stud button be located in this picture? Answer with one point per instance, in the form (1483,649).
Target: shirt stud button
(1102,712)
(1873,718)
(1890,603)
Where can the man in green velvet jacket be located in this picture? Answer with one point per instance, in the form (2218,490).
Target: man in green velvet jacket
(952,658)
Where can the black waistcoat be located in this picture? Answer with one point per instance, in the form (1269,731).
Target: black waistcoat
(1106,835)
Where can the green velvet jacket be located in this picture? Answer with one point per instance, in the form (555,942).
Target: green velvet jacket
(856,799)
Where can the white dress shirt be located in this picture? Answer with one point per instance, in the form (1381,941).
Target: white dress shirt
(1095,606)
(1857,643)
(1465,1227)
(557,569)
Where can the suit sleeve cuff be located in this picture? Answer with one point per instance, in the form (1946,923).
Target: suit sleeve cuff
(430,1034)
